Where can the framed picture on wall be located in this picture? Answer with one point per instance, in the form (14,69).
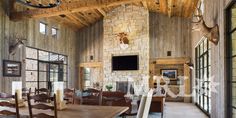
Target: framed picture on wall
(169,73)
(11,68)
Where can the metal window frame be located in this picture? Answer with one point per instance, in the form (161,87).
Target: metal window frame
(200,72)
(39,61)
(229,57)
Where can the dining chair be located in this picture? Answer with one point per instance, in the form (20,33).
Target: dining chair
(42,90)
(141,106)
(145,104)
(148,104)
(41,106)
(69,95)
(6,105)
(25,91)
(94,97)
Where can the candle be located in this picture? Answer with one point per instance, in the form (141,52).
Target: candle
(19,94)
(59,96)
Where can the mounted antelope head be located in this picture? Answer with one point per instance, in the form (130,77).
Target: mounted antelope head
(211,33)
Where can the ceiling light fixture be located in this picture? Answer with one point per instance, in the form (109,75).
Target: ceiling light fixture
(50,4)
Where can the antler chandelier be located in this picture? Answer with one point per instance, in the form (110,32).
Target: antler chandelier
(40,3)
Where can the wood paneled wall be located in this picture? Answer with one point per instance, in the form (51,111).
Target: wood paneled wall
(169,34)
(215,13)
(91,43)
(29,29)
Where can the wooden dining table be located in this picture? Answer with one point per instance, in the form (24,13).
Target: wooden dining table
(84,111)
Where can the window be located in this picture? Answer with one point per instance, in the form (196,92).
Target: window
(43,68)
(202,71)
(54,32)
(42,28)
(231,59)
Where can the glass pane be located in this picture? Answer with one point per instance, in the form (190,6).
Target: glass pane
(32,85)
(43,56)
(54,32)
(54,67)
(65,85)
(43,76)
(65,69)
(205,60)
(65,77)
(60,76)
(205,45)
(233,35)
(234,94)
(43,66)
(31,53)
(233,19)
(31,64)
(31,76)
(42,28)
(87,83)
(206,103)
(53,57)
(61,58)
(43,84)
(234,113)
(201,48)
(53,76)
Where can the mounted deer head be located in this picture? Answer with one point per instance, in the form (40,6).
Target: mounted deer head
(18,44)
(211,33)
(124,41)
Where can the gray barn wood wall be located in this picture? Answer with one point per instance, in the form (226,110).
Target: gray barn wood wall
(91,43)
(169,34)
(215,13)
(29,29)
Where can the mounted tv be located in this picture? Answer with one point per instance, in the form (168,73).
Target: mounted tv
(124,63)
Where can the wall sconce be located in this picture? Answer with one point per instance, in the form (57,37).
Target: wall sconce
(13,48)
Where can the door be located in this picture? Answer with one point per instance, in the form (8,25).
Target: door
(48,73)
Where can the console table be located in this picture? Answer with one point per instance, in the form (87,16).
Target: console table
(157,104)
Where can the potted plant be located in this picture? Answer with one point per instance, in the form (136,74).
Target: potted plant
(109,87)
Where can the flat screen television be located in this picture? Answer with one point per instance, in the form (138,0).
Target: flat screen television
(123,63)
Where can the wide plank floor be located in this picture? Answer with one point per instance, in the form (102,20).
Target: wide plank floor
(179,110)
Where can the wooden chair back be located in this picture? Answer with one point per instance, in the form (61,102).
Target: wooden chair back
(25,91)
(9,105)
(141,106)
(42,90)
(94,97)
(148,104)
(69,95)
(41,106)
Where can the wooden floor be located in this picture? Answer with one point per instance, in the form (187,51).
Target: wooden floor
(179,110)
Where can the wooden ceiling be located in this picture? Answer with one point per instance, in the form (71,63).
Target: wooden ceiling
(81,13)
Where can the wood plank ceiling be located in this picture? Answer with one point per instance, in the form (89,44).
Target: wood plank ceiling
(81,13)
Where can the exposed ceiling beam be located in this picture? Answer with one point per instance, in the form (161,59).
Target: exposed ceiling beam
(74,20)
(145,4)
(82,19)
(102,12)
(170,7)
(68,8)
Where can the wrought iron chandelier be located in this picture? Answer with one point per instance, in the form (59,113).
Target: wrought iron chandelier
(51,4)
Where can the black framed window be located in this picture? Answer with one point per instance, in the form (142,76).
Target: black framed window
(44,67)
(202,71)
(231,58)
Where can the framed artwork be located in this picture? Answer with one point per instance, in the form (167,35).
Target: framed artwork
(170,73)
(11,68)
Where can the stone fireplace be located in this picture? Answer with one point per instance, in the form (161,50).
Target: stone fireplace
(135,21)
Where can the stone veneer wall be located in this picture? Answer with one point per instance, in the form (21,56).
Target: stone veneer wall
(137,20)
